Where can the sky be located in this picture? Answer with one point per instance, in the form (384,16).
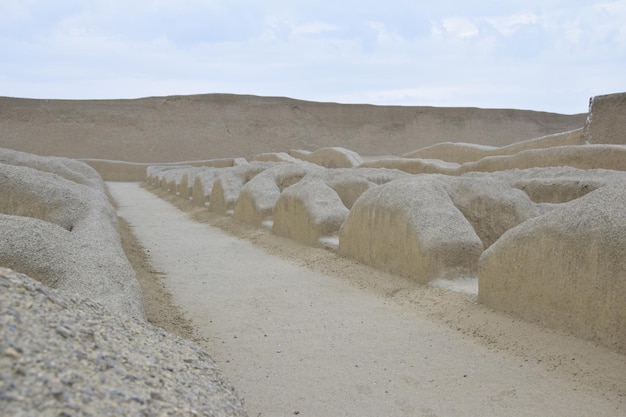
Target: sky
(546,55)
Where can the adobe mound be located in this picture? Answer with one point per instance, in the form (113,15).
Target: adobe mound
(64,233)
(333,157)
(566,268)
(258,197)
(316,206)
(431,227)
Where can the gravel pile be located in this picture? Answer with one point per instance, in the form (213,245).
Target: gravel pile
(61,355)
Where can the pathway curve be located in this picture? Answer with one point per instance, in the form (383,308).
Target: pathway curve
(295,342)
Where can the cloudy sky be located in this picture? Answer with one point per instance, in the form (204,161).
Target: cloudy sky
(549,55)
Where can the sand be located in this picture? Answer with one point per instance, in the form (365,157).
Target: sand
(301,331)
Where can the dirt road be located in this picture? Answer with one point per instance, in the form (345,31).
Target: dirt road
(296,341)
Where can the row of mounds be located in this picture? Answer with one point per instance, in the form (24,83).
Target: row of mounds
(73,335)
(59,227)
(540,224)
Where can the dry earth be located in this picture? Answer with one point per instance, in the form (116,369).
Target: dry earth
(158,305)
(575,369)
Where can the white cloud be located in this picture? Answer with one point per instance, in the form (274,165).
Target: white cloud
(615,7)
(503,54)
(384,35)
(460,27)
(614,13)
(508,25)
(313,28)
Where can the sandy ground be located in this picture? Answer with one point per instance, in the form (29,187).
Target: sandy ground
(300,331)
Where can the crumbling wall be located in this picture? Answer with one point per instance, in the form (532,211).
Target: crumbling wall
(64,232)
(565,269)
(606,121)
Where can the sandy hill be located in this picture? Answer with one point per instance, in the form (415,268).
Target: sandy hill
(164,129)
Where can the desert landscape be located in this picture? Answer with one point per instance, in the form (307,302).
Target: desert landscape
(230,255)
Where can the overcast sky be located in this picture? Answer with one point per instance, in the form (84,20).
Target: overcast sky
(549,55)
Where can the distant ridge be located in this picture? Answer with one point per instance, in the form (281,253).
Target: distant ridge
(176,128)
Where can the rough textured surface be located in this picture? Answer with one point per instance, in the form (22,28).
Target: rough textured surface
(68,356)
(529,154)
(229,183)
(565,269)
(414,166)
(606,121)
(468,152)
(411,227)
(491,206)
(167,177)
(118,170)
(587,157)
(309,210)
(203,185)
(334,157)
(458,153)
(258,197)
(554,185)
(69,169)
(338,340)
(571,263)
(225,125)
(136,171)
(185,188)
(275,157)
(317,206)
(65,233)
(611,157)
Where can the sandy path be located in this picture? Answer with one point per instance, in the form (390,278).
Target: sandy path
(295,341)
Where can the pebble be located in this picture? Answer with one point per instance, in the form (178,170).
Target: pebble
(72,357)
(11,353)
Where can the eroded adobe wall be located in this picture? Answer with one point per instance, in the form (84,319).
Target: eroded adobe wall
(565,269)
(606,122)
(182,128)
(58,226)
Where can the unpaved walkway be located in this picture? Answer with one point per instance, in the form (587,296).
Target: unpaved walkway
(297,342)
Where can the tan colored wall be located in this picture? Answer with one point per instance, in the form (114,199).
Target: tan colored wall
(131,171)
(569,138)
(565,269)
(411,227)
(611,157)
(452,152)
(606,122)
(258,197)
(333,157)
(228,185)
(608,157)
(461,153)
(414,166)
(64,232)
(435,227)
(317,205)
(275,157)
(182,128)
(117,170)
(307,211)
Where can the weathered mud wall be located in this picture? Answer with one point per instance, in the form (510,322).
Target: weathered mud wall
(606,122)
(181,128)
(58,226)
